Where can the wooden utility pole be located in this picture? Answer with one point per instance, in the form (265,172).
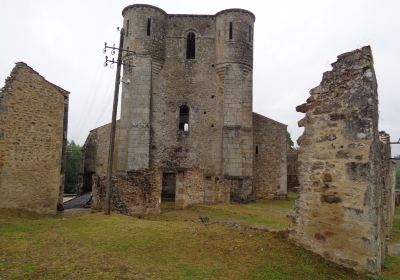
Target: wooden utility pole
(107,203)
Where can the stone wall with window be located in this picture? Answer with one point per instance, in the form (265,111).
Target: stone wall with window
(188,107)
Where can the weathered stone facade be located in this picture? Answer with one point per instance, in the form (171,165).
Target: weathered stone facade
(292,174)
(33,131)
(270,170)
(214,86)
(344,169)
(187,110)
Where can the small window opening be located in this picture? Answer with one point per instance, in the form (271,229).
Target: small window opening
(127,28)
(230,30)
(250,33)
(148,26)
(256,149)
(191,46)
(184,118)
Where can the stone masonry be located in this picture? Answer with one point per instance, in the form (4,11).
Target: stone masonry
(269,157)
(33,131)
(344,169)
(187,111)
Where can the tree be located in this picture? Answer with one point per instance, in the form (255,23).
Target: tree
(72,169)
(289,141)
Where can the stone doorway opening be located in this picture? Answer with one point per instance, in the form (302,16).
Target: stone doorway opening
(168,187)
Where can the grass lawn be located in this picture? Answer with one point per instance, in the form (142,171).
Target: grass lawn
(172,245)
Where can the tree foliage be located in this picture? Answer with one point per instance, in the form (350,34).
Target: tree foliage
(289,141)
(72,168)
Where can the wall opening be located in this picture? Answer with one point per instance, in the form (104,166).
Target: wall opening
(250,33)
(256,149)
(168,187)
(127,28)
(191,46)
(184,118)
(230,30)
(148,26)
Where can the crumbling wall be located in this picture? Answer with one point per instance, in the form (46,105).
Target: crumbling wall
(388,182)
(270,170)
(292,174)
(339,213)
(134,193)
(193,187)
(33,129)
(95,156)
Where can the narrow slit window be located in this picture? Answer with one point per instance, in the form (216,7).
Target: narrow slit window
(191,46)
(127,28)
(256,149)
(230,30)
(184,118)
(148,26)
(250,33)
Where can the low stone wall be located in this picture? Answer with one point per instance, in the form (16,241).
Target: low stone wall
(194,187)
(136,193)
(341,213)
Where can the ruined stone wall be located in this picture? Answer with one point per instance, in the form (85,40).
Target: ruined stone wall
(134,193)
(270,171)
(388,182)
(292,174)
(193,186)
(32,141)
(95,155)
(339,212)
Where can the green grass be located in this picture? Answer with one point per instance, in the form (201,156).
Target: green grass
(172,245)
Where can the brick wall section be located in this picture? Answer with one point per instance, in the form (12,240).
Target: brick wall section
(33,128)
(270,171)
(339,213)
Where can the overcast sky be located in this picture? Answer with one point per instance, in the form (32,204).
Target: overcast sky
(294,43)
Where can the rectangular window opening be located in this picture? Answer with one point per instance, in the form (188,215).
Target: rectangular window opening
(148,26)
(230,30)
(256,149)
(127,28)
(250,33)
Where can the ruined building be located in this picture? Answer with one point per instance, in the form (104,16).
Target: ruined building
(346,176)
(33,131)
(187,123)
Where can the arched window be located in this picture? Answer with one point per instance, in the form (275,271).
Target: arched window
(191,46)
(184,118)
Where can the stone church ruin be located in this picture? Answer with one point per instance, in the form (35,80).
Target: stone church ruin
(188,135)
(33,139)
(187,132)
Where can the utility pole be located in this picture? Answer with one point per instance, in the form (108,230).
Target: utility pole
(107,202)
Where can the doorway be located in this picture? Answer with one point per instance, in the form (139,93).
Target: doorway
(168,187)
